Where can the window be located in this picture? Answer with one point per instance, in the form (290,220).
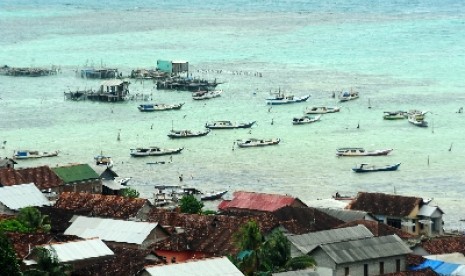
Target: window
(381,267)
(397,265)
(346,271)
(396,223)
(365,270)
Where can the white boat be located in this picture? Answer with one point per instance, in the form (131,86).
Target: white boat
(305,120)
(205,95)
(187,133)
(361,152)
(26,154)
(394,115)
(104,160)
(417,118)
(159,107)
(253,142)
(348,95)
(322,109)
(122,180)
(228,125)
(154,151)
(281,98)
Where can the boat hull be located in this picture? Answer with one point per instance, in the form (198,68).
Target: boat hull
(215,125)
(368,168)
(257,143)
(148,152)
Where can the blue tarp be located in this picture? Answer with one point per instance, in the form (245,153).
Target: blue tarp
(439,267)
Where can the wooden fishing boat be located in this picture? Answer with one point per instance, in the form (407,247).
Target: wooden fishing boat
(281,98)
(187,133)
(348,96)
(322,109)
(154,151)
(338,196)
(212,195)
(361,152)
(205,95)
(253,142)
(103,160)
(228,125)
(27,154)
(305,120)
(159,107)
(417,118)
(394,115)
(364,167)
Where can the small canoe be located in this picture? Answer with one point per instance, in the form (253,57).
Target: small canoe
(362,168)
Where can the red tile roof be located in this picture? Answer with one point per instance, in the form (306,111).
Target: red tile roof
(422,272)
(101,205)
(444,245)
(259,202)
(43,177)
(23,243)
(378,228)
(385,204)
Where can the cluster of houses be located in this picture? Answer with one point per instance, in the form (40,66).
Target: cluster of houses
(99,232)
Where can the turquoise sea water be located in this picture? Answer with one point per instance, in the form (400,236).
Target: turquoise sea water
(397,55)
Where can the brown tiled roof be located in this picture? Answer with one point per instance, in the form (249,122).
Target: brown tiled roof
(212,234)
(101,205)
(125,262)
(385,204)
(378,228)
(23,243)
(43,177)
(414,260)
(444,245)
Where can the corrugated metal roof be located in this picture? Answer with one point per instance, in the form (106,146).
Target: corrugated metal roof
(365,249)
(259,201)
(343,214)
(19,196)
(113,82)
(110,229)
(205,267)
(76,172)
(80,250)
(307,242)
(428,211)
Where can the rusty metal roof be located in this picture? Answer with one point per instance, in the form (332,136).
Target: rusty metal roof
(385,204)
(259,201)
(444,245)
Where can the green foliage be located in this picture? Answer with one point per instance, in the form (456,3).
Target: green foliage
(31,218)
(301,262)
(8,263)
(190,205)
(275,252)
(13,225)
(209,212)
(47,264)
(248,237)
(129,192)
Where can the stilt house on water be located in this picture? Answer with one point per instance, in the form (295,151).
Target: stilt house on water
(103,73)
(114,90)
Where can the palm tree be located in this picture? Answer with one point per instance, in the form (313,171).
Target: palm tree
(8,262)
(34,220)
(47,264)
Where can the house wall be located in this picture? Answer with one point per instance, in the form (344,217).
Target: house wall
(155,235)
(181,256)
(86,186)
(5,210)
(143,213)
(357,268)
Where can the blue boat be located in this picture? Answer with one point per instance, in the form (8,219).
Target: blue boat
(364,167)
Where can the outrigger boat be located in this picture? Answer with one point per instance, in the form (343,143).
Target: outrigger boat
(253,142)
(394,115)
(305,120)
(281,98)
(364,167)
(154,151)
(322,109)
(159,107)
(361,152)
(228,125)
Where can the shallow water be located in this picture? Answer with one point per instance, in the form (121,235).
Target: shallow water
(398,56)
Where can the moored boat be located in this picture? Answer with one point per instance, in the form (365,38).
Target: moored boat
(322,109)
(364,167)
(361,152)
(394,115)
(187,133)
(26,154)
(159,107)
(154,151)
(103,160)
(205,95)
(281,98)
(212,195)
(417,118)
(228,125)
(253,142)
(338,196)
(305,120)
(348,95)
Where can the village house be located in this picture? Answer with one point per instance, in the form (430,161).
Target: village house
(76,253)
(130,234)
(252,202)
(109,206)
(13,198)
(365,256)
(7,163)
(79,178)
(411,214)
(205,267)
(347,215)
(380,229)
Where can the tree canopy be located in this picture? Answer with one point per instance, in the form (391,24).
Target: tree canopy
(8,263)
(129,192)
(190,205)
